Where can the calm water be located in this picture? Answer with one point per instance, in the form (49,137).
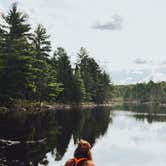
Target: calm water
(121,136)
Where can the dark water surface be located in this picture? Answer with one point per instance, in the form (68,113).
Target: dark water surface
(121,136)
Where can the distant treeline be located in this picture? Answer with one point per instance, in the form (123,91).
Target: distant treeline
(28,71)
(143,92)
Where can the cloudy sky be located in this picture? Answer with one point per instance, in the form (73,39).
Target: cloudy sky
(127,37)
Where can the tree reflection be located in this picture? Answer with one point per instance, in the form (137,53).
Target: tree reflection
(58,127)
(148,112)
(151,117)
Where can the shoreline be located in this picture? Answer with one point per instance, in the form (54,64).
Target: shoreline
(34,107)
(52,106)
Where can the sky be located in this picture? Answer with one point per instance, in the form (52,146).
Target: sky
(127,37)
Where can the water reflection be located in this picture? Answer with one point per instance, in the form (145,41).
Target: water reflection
(141,108)
(33,135)
(131,141)
(47,138)
(151,117)
(150,113)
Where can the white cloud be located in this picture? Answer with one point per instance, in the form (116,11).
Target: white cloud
(140,61)
(163,63)
(114,24)
(137,71)
(154,76)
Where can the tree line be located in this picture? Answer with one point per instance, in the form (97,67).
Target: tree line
(143,92)
(29,71)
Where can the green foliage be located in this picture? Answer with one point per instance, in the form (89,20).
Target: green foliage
(97,83)
(144,92)
(46,87)
(17,23)
(15,73)
(79,87)
(41,43)
(64,74)
(28,72)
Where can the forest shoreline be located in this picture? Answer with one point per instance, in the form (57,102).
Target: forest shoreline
(34,107)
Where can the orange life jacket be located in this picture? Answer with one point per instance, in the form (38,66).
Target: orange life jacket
(76,161)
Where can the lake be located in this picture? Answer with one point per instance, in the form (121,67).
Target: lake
(127,135)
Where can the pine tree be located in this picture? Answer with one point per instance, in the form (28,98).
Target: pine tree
(79,92)
(45,77)
(97,83)
(86,75)
(2,62)
(28,72)
(104,88)
(41,43)
(17,71)
(2,48)
(64,75)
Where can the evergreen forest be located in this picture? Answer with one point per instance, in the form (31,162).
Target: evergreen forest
(31,70)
